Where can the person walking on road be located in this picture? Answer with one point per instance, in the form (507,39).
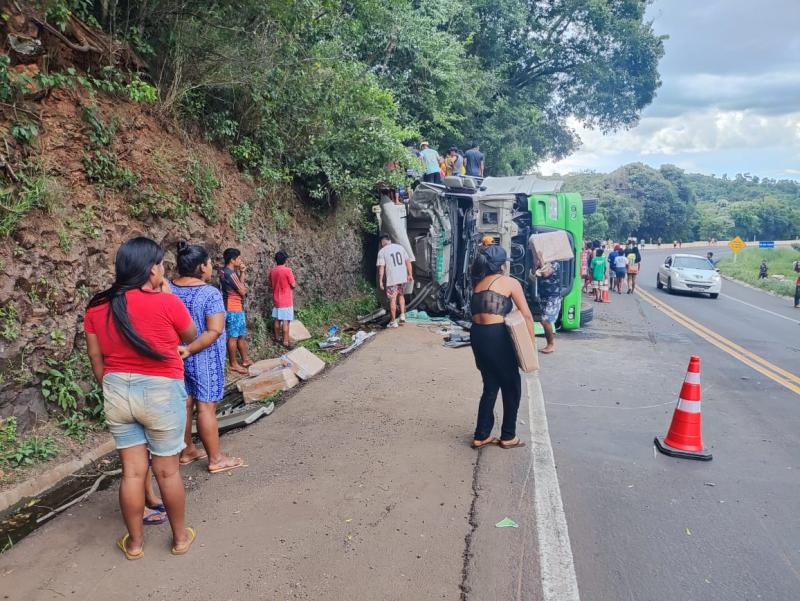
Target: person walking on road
(430,158)
(394,272)
(203,358)
(492,347)
(634,259)
(598,269)
(612,256)
(797,287)
(619,268)
(133,331)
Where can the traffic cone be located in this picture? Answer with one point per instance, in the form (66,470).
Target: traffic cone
(685,438)
(604,291)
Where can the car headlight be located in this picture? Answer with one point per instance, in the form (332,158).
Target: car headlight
(715,277)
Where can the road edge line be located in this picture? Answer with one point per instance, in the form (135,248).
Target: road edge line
(556,563)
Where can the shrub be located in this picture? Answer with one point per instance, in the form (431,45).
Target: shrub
(239,219)
(205,182)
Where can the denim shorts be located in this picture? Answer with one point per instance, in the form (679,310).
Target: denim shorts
(147,410)
(235,324)
(283,313)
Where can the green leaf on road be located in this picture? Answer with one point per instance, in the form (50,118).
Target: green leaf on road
(507,523)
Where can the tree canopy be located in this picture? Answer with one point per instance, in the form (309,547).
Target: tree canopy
(324,93)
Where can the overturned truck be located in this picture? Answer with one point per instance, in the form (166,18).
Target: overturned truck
(442,227)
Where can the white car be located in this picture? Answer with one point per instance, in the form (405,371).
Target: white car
(689,273)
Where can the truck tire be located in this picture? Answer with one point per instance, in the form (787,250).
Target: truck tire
(587,314)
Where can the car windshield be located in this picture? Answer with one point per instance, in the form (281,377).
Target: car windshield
(693,263)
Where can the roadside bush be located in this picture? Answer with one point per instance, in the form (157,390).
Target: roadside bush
(779,261)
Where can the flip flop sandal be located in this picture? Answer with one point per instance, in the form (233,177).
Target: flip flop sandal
(512,444)
(192,460)
(149,521)
(478,444)
(185,550)
(122,544)
(228,468)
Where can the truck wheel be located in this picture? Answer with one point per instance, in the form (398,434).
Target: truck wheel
(659,285)
(587,314)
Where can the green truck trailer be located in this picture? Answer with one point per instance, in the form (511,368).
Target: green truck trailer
(442,226)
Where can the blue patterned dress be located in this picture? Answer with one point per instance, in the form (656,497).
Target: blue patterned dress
(205,371)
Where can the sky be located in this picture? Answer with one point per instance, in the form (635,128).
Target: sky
(729,101)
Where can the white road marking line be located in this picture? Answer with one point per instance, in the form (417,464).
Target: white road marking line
(557,566)
(759,308)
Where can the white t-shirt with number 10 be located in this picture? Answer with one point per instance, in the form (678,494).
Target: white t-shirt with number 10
(394,257)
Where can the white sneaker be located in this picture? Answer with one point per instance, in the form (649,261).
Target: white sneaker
(392,324)
(403,318)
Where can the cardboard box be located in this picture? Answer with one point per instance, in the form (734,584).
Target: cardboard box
(525,346)
(552,246)
(267,384)
(259,367)
(297,332)
(304,363)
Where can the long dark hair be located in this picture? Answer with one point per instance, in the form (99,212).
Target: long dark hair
(482,266)
(135,258)
(190,258)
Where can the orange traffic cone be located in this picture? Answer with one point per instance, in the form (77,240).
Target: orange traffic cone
(685,438)
(604,291)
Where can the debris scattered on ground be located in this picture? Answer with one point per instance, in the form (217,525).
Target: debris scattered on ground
(710,483)
(358,340)
(506,523)
(372,316)
(688,532)
(265,365)
(267,384)
(304,363)
(298,332)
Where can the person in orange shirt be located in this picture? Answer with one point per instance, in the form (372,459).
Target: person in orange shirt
(231,279)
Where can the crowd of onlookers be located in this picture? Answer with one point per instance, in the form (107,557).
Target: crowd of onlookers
(434,166)
(158,346)
(609,273)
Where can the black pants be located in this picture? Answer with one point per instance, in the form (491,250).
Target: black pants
(497,361)
(797,295)
(432,178)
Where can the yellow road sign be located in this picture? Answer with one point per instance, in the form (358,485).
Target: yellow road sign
(737,244)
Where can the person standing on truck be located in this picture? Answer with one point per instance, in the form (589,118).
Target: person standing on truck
(430,158)
(549,291)
(492,347)
(394,272)
(474,160)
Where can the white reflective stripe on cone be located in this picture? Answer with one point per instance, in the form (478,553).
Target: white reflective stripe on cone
(689,406)
(692,377)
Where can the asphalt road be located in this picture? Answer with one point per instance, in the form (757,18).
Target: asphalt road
(644,526)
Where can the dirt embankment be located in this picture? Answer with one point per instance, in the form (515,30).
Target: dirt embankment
(107,170)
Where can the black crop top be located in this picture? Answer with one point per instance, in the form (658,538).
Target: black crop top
(491,302)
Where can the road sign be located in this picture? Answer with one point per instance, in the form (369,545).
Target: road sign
(736,245)
(766,244)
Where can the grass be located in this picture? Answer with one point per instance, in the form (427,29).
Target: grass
(779,260)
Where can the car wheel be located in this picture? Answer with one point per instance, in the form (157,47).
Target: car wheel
(714,295)
(669,285)
(659,285)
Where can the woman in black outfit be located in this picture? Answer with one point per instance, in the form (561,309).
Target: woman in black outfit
(495,356)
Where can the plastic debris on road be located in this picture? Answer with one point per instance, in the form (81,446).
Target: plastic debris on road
(506,523)
(358,340)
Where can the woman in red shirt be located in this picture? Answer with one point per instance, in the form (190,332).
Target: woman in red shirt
(133,331)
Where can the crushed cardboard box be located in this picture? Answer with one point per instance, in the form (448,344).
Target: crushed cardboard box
(267,384)
(304,363)
(259,367)
(552,246)
(298,332)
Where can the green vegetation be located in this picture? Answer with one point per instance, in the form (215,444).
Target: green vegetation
(669,203)
(148,202)
(32,191)
(205,182)
(65,384)
(779,260)
(323,93)
(239,219)
(26,451)
(100,163)
(280,218)
(25,132)
(9,321)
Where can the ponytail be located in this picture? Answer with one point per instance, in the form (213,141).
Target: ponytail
(190,258)
(132,265)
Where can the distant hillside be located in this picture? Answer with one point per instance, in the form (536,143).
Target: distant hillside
(637,200)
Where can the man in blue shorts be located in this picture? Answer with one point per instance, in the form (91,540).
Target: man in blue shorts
(231,280)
